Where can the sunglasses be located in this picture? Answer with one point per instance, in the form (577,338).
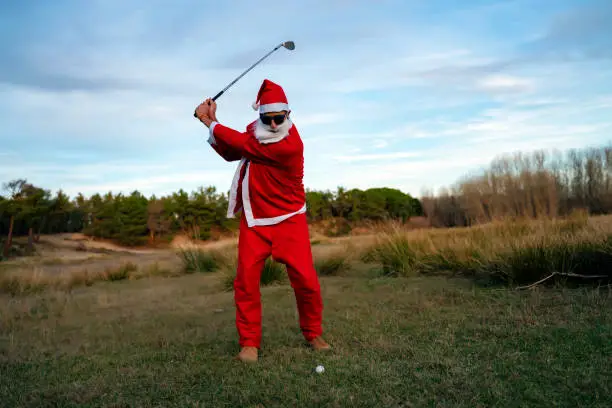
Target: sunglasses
(278,119)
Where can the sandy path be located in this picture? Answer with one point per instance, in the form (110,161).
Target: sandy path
(74,253)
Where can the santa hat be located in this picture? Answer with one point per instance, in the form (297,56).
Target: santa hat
(270,98)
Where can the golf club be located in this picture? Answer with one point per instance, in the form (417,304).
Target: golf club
(290,45)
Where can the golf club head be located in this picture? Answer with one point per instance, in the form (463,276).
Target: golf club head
(290,45)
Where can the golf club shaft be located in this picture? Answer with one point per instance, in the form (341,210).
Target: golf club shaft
(243,74)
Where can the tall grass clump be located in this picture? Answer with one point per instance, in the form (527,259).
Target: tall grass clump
(511,252)
(272,273)
(332,265)
(584,257)
(333,261)
(199,260)
(120,273)
(395,253)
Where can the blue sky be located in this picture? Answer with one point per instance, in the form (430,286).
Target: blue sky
(98,96)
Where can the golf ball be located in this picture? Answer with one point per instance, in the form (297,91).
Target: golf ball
(320,369)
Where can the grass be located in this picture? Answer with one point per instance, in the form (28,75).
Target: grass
(273,273)
(37,280)
(418,342)
(417,333)
(333,262)
(200,260)
(509,252)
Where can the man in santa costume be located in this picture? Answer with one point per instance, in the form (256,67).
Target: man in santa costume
(268,188)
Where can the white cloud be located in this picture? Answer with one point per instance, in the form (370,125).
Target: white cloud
(463,146)
(438,167)
(381,156)
(541,102)
(161,184)
(505,83)
(379,144)
(310,119)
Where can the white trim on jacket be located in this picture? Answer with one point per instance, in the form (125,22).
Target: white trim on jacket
(246,201)
(248,211)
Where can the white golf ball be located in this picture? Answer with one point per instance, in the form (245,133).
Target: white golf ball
(320,369)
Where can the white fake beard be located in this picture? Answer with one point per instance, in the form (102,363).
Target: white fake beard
(265,133)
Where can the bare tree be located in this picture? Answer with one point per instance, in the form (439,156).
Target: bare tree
(534,186)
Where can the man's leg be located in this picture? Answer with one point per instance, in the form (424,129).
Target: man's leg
(291,246)
(253,249)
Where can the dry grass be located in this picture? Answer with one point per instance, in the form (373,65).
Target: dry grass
(36,280)
(508,251)
(511,251)
(201,260)
(329,259)
(335,260)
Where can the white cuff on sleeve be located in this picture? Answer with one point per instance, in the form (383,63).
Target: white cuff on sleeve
(211,137)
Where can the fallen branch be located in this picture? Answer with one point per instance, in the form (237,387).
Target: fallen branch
(572,275)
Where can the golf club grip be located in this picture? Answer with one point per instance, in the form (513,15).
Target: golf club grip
(214,99)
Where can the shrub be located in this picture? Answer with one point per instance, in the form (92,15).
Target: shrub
(338,227)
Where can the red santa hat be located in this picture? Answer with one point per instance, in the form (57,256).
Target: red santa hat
(270,98)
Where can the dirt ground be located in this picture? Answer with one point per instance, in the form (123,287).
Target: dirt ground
(74,253)
(65,253)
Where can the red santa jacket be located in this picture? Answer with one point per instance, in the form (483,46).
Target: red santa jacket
(268,183)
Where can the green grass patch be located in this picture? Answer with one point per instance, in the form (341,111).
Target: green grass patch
(417,342)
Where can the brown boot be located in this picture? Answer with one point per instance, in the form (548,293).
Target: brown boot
(319,344)
(247,355)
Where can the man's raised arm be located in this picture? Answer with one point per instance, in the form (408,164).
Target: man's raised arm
(233,143)
(223,149)
(274,154)
(206,113)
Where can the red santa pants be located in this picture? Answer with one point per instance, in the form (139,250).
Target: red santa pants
(288,243)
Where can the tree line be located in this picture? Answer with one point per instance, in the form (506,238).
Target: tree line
(134,219)
(539,184)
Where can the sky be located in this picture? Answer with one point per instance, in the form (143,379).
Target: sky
(99,96)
